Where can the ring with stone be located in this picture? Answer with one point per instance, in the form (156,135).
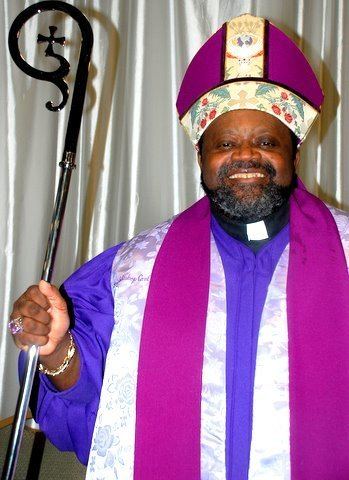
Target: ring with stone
(16,325)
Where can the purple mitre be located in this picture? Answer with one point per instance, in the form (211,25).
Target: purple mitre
(249,63)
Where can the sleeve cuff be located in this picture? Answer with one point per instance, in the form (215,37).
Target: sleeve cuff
(81,392)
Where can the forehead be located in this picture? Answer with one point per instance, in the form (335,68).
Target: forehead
(247,122)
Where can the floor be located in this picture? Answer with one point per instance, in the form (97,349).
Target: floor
(55,464)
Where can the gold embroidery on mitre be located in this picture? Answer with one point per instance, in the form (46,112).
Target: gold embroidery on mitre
(244,50)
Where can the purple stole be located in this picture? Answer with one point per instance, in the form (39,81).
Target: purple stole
(167,443)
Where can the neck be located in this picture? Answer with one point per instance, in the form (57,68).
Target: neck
(271,225)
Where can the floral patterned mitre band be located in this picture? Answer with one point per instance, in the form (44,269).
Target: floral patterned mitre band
(286,106)
(244,50)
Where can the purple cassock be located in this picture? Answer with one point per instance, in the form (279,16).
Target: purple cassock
(247,278)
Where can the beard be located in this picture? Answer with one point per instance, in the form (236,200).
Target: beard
(248,202)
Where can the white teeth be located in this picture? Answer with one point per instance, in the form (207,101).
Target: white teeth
(247,175)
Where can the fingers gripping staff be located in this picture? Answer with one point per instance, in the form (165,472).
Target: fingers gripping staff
(44,318)
(37,322)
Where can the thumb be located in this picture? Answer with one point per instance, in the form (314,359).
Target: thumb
(53,295)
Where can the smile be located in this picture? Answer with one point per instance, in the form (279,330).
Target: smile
(247,175)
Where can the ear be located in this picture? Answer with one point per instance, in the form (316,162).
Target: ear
(297,159)
(198,156)
(199,160)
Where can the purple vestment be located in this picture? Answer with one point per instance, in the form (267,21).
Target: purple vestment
(68,417)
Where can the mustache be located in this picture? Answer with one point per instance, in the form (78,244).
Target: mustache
(229,168)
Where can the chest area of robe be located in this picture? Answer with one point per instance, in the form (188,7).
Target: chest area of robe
(223,383)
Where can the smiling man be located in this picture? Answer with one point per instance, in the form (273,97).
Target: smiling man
(214,345)
(248,160)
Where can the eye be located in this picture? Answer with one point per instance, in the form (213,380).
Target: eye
(225,144)
(266,142)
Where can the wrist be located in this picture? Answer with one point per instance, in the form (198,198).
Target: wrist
(57,362)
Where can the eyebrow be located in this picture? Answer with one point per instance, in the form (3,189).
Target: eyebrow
(259,130)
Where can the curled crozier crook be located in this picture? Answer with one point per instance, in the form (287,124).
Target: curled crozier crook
(57,76)
(67,164)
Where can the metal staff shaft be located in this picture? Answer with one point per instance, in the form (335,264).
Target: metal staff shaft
(67,165)
(33,353)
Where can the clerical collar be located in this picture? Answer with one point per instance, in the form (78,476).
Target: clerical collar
(256,234)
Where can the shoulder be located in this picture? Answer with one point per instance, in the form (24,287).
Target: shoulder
(150,238)
(89,286)
(96,266)
(98,270)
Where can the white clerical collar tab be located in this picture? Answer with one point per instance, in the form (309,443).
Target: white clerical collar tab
(256,231)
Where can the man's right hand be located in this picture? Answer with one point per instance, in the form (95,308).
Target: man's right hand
(45,318)
(45,323)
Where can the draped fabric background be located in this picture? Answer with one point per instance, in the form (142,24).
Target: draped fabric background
(135,165)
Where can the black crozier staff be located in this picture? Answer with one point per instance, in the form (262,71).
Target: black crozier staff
(67,165)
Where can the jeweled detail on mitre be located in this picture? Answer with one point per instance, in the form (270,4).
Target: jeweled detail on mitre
(244,52)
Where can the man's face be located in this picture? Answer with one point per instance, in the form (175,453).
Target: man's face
(247,164)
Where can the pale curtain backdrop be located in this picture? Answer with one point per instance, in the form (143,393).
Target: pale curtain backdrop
(135,165)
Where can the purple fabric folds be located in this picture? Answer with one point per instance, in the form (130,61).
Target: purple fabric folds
(318,324)
(172,342)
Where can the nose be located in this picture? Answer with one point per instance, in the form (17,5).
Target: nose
(246,151)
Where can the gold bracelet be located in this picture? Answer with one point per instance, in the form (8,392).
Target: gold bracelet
(66,362)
